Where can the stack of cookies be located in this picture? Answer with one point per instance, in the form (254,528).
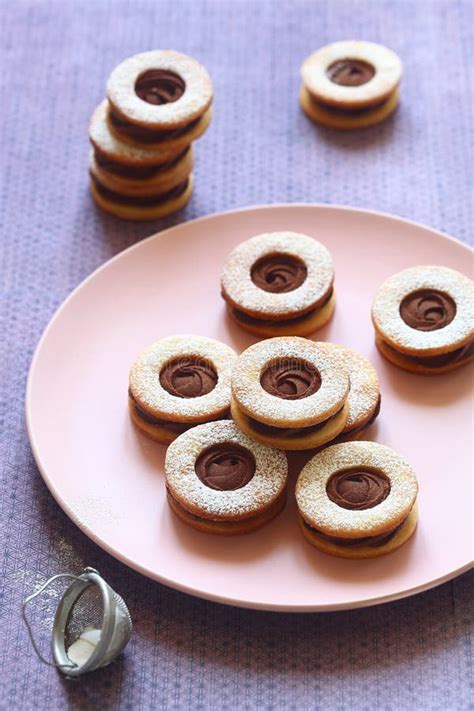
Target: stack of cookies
(141,164)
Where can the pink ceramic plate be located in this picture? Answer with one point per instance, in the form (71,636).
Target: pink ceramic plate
(109,479)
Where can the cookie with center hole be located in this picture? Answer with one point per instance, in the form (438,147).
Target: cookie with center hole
(424,319)
(220,481)
(357,500)
(159,96)
(179,382)
(290,393)
(279,284)
(350,84)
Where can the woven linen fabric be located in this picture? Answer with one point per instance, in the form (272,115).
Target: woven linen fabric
(187,653)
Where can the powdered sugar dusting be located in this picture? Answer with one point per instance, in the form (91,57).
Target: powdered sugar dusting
(147,390)
(68,557)
(364,390)
(196,99)
(239,288)
(264,487)
(258,403)
(389,323)
(318,509)
(94,512)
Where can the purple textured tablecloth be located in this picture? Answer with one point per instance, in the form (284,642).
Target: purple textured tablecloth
(187,653)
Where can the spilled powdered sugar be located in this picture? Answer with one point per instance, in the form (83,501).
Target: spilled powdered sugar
(66,560)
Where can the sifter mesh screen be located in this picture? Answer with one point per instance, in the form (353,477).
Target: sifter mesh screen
(87,611)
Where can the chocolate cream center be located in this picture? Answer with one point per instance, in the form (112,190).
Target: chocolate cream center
(427,310)
(350,72)
(225,467)
(188,377)
(135,172)
(358,489)
(143,200)
(290,379)
(279,273)
(438,361)
(158,86)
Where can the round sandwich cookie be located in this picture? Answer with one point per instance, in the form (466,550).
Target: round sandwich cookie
(179,382)
(279,284)
(424,319)
(142,207)
(290,393)
(364,397)
(112,152)
(159,96)
(220,481)
(171,141)
(350,84)
(144,180)
(357,500)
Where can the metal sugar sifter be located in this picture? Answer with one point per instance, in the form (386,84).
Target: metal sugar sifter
(92,624)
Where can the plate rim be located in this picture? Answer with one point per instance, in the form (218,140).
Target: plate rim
(206,595)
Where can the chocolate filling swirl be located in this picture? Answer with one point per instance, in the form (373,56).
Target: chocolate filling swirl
(291,379)
(225,467)
(350,72)
(358,489)
(427,310)
(279,273)
(188,377)
(158,86)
